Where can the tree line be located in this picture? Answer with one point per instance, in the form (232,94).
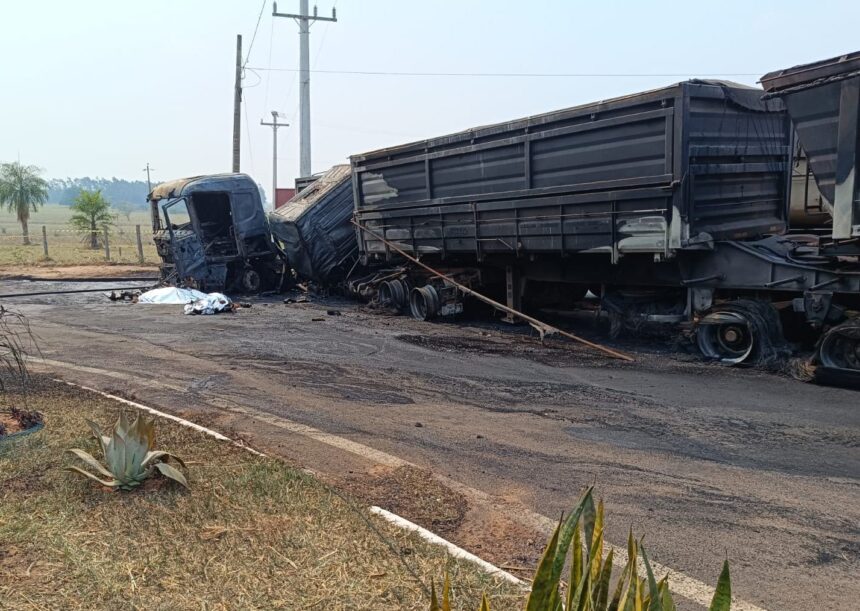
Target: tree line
(63,191)
(23,190)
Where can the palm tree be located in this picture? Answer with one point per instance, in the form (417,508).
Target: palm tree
(21,189)
(91,215)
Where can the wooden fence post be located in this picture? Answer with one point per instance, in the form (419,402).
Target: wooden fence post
(107,246)
(45,241)
(139,244)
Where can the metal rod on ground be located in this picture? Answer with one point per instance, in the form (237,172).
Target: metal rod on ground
(70,291)
(45,241)
(139,244)
(107,245)
(542,327)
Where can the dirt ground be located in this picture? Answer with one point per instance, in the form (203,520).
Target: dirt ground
(71,272)
(706,462)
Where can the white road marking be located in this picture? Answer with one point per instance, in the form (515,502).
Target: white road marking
(455,551)
(683,585)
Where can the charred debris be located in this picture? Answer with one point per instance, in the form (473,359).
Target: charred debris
(730,209)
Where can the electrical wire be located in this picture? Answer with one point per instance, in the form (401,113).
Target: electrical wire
(254,37)
(520,74)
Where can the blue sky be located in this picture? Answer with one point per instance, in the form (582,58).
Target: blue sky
(101,87)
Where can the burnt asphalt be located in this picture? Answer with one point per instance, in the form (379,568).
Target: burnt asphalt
(705,461)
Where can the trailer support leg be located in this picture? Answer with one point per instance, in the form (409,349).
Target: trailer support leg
(513,292)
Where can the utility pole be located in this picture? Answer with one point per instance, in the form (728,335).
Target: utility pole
(275,125)
(237,105)
(148,179)
(304,20)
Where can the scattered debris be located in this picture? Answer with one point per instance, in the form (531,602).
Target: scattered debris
(418,425)
(213,303)
(333,312)
(131,296)
(317,319)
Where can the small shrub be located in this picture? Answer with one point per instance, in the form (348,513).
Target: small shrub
(590,574)
(129,456)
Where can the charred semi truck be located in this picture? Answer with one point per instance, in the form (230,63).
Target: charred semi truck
(670,205)
(212,234)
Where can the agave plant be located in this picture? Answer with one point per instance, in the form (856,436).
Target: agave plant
(128,455)
(579,539)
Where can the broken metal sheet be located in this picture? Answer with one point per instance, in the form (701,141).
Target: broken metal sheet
(314,227)
(171,295)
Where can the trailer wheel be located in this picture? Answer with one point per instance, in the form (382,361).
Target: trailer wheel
(840,347)
(424,303)
(742,331)
(394,293)
(251,281)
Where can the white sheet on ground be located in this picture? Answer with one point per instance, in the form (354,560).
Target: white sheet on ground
(171,295)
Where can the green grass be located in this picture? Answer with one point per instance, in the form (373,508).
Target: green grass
(67,247)
(251,534)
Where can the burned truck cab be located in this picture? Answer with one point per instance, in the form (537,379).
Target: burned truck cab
(212,234)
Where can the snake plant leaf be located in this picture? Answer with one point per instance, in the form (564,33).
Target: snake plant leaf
(596,541)
(722,600)
(575,566)
(112,483)
(601,594)
(485,603)
(543,586)
(434,602)
(567,532)
(91,461)
(589,516)
(171,472)
(615,601)
(446,593)
(666,596)
(654,603)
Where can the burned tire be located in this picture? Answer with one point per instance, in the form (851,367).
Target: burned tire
(742,332)
(252,282)
(839,348)
(394,293)
(424,303)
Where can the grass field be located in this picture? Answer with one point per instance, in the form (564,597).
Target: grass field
(67,246)
(251,533)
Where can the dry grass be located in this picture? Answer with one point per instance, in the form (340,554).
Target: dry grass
(68,247)
(251,534)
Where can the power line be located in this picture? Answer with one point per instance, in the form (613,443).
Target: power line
(523,74)
(254,37)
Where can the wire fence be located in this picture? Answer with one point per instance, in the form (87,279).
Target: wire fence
(62,245)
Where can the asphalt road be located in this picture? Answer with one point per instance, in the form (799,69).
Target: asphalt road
(707,462)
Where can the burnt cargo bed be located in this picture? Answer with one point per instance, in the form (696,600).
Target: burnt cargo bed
(314,227)
(650,173)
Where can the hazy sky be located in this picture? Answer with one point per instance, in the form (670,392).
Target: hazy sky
(100,88)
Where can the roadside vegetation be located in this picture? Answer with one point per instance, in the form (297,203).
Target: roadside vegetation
(22,190)
(91,215)
(67,244)
(251,533)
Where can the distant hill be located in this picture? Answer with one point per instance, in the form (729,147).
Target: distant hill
(117,191)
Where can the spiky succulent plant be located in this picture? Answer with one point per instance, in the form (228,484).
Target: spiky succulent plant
(128,455)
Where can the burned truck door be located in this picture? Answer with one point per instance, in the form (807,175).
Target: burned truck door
(250,224)
(186,248)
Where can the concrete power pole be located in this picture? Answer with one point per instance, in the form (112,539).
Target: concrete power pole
(147,169)
(237,105)
(275,125)
(304,20)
